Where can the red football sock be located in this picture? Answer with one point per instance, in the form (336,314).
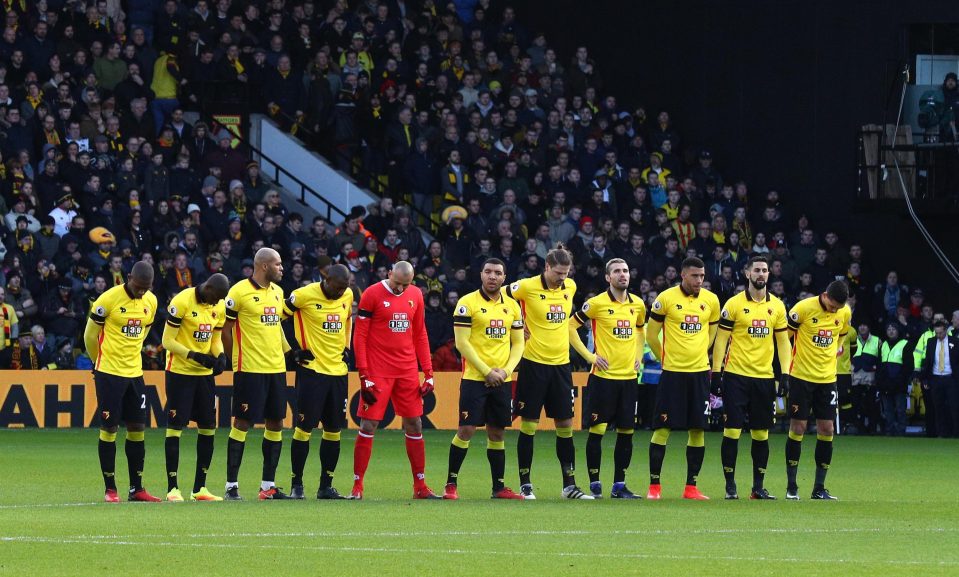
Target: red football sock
(361,455)
(416,451)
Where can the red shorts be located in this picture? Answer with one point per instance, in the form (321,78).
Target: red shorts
(403,391)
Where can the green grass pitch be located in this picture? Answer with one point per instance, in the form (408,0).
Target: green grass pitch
(899,515)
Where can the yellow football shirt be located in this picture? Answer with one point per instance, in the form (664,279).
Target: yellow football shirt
(322,326)
(197,323)
(844,362)
(817,338)
(257,334)
(490,322)
(615,326)
(753,325)
(686,320)
(124,323)
(546,313)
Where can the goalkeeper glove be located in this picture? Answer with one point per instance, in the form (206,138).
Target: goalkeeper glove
(202,359)
(783,386)
(368,389)
(302,356)
(427,386)
(716,384)
(221,364)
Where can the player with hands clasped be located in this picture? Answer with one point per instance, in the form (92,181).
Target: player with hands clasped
(488,327)
(192,338)
(390,337)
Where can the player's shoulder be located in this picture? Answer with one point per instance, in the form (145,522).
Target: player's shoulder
(520,287)
(464,306)
(635,299)
(183,299)
(734,300)
(275,288)
(569,285)
(709,296)
(668,295)
(112,296)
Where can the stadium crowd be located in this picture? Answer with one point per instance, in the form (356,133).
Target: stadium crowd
(465,118)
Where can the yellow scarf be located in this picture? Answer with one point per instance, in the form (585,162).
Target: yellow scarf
(52,137)
(237,66)
(34,100)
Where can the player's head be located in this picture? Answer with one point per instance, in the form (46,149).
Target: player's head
(141,279)
(337,281)
(617,274)
(493,275)
(323,264)
(757,271)
(558,262)
(836,295)
(401,277)
(267,266)
(693,275)
(215,288)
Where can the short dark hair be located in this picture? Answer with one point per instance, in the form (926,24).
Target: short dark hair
(559,256)
(495,262)
(838,291)
(757,258)
(940,323)
(694,262)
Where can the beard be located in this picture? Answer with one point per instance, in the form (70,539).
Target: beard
(758,285)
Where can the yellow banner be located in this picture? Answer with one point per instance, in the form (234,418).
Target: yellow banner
(68,399)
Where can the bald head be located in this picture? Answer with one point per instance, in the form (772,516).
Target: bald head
(215,288)
(401,277)
(267,266)
(337,281)
(339,273)
(141,279)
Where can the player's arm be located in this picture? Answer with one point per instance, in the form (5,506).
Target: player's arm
(517,344)
(95,325)
(652,337)
(462,335)
(231,313)
(640,347)
(422,345)
(783,351)
(216,346)
(170,332)
(361,332)
(714,319)
(723,335)
(517,292)
(580,318)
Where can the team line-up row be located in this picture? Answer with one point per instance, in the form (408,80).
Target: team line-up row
(526,327)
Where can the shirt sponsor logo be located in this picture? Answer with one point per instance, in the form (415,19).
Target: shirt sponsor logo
(133,329)
(556,314)
(203,333)
(333,323)
(269,316)
(400,323)
(758,329)
(623,329)
(496,329)
(823,338)
(691,324)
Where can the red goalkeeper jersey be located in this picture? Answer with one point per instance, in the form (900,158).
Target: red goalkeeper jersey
(390,333)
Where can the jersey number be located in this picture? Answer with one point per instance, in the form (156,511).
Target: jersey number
(707,412)
(143,403)
(835,397)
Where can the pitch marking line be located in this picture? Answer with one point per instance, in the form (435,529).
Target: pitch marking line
(763,559)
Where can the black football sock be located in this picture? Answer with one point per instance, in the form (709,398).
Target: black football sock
(496,455)
(694,462)
(107,450)
(458,449)
(524,456)
(299,451)
(272,446)
(594,455)
(171,447)
(760,454)
(329,456)
(234,455)
(793,453)
(204,456)
(729,452)
(657,454)
(136,453)
(823,459)
(622,455)
(566,453)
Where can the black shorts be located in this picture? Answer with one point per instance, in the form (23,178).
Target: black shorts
(481,405)
(259,396)
(682,401)
(540,386)
(611,401)
(320,397)
(190,398)
(120,399)
(748,396)
(821,398)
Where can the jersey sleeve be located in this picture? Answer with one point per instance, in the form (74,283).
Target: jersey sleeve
(517,315)
(232,305)
(796,316)
(846,319)
(293,302)
(727,317)
(462,314)
(780,324)
(101,308)
(658,311)
(517,291)
(220,311)
(714,309)
(176,310)
(361,331)
(640,313)
(153,309)
(585,313)
(421,339)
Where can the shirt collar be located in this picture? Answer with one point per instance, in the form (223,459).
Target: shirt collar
(609,293)
(542,279)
